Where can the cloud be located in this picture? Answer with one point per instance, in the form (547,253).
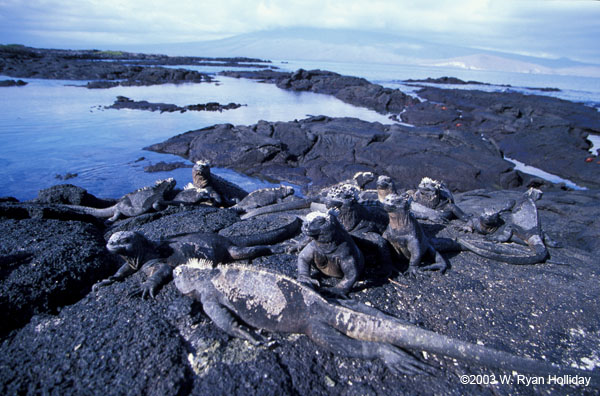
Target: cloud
(534,26)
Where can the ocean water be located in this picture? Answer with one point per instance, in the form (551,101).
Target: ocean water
(51,127)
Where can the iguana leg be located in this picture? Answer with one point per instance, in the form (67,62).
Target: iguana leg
(225,321)
(458,212)
(245,253)
(114,217)
(440,262)
(503,235)
(351,270)
(551,242)
(416,255)
(123,272)
(159,274)
(395,359)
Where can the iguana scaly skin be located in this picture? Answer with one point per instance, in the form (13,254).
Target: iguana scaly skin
(263,197)
(157,259)
(523,226)
(135,203)
(266,300)
(405,234)
(331,250)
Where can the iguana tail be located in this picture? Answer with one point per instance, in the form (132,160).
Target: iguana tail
(96,212)
(270,237)
(380,329)
(539,254)
(279,207)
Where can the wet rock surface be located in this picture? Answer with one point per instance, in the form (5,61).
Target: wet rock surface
(321,151)
(541,131)
(123,102)
(106,342)
(12,83)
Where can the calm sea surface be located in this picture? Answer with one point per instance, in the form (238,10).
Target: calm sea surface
(50,128)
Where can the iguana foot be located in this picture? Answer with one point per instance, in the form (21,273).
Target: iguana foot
(146,289)
(441,267)
(400,362)
(102,283)
(308,281)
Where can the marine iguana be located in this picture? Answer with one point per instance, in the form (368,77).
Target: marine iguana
(332,251)
(365,225)
(263,197)
(135,203)
(522,227)
(266,300)
(433,201)
(405,234)
(221,192)
(158,258)
(358,182)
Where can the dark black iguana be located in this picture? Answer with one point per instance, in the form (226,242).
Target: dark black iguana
(213,188)
(365,224)
(331,250)
(523,227)
(267,300)
(158,258)
(135,203)
(433,201)
(263,197)
(406,235)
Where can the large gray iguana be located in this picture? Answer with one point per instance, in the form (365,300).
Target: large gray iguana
(523,227)
(266,300)
(135,203)
(158,258)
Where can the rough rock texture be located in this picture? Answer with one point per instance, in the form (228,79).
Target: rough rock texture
(354,90)
(108,343)
(19,61)
(47,264)
(544,132)
(12,83)
(541,131)
(321,151)
(71,195)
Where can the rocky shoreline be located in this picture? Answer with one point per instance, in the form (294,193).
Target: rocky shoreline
(59,336)
(123,102)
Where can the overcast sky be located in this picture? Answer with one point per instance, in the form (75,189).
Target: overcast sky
(546,28)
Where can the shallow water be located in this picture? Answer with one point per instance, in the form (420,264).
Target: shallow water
(48,128)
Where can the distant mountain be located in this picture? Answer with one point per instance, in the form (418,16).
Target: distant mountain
(360,46)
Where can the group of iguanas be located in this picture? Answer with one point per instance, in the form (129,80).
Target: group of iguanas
(349,222)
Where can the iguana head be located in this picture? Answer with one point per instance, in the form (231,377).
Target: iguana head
(188,275)
(533,194)
(429,190)
(133,246)
(165,185)
(385,186)
(321,226)
(344,195)
(397,203)
(201,173)
(363,178)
